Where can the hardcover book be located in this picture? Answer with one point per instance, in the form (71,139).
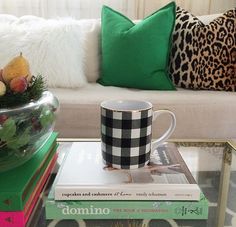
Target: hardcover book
(18,184)
(85,209)
(83,176)
(20,218)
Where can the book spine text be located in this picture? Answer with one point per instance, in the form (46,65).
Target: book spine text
(126,210)
(67,193)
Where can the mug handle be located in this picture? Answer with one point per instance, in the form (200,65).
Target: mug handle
(168,132)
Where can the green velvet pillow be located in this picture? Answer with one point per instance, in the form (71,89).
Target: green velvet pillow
(136,55)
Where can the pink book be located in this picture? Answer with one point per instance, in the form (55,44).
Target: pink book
(20,218)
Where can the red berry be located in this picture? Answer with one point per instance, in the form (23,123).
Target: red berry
(3,118)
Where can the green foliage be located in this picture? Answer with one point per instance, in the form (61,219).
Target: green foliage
(46,117)
(19,141)
(9,136)
(17,131)
(8,130)
(36,87)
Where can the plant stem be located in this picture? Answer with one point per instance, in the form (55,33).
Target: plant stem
(6,142)
(2,144)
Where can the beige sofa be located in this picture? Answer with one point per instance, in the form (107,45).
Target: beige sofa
(200,114)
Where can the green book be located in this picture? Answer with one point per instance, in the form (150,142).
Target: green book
(114,209)
(17,184)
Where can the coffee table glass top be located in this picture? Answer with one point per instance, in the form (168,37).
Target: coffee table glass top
(213,165)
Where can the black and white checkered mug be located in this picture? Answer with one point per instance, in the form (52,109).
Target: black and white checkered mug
(126,132)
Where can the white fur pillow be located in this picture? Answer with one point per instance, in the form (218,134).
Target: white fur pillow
(54,48)
(91,30)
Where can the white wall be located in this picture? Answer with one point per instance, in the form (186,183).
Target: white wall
(92,8)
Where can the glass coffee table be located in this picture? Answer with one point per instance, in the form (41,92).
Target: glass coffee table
(212,164)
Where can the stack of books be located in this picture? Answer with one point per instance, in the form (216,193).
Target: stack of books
(21,187)
(86,189)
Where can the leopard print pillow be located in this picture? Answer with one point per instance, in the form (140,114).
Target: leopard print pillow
(204,56)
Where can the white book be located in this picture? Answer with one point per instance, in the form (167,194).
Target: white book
(83,176)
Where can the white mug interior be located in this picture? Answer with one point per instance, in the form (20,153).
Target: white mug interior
(126,105)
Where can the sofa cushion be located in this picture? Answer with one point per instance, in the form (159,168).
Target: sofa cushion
(92,48)
(199,114)
(204,56)
(136,55)
(207,19)
(54,48)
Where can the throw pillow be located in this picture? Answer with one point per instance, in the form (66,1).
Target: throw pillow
(92,59)
(54,48)
(136,55)
(204,56)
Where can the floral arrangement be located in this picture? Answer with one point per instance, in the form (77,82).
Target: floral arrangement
(17,85)
(22,125)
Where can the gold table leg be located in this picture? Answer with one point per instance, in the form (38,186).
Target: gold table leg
(224,186)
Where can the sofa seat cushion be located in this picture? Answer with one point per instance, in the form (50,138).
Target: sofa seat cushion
(200,114)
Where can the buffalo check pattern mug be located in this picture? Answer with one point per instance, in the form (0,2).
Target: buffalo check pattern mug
(126,132)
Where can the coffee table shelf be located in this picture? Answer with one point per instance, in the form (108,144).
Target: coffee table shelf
(213,165)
